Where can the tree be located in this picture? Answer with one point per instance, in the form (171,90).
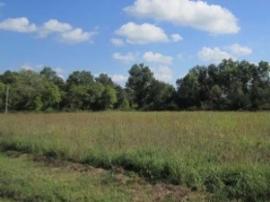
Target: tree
(49,74)
(30,91)
(108,98)
(51,96)
(188,90)
(105,80)
(2,96)
(80,78)
(138,85)
(230,85)
(123,102)
(161,96)
(79,93)
(260,88)
(9,77)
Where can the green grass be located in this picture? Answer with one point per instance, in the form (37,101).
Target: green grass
(28,178)
(21,180)
(225,153)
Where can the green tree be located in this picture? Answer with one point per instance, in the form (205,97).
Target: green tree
(123,102)
(49,74)
(260,88)
(161,96)
(138,85)
(108,98)
(188,90)
(31,91)
(2,96)
(80,78)
(51,96)
(105,80)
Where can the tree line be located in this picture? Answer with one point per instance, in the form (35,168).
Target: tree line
(230,85)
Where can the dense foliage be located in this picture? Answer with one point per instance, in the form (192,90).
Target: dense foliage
(230,85)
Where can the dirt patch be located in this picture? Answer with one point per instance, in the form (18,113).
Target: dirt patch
(171,192)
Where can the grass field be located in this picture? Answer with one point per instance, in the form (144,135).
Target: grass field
(225,154)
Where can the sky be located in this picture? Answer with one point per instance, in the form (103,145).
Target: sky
(109,36)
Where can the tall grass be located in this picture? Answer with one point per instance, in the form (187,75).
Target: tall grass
(225,153)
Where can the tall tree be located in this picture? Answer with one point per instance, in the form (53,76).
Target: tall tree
(52,76)
(105,80)
(138,85)
(2,96)
(80,78)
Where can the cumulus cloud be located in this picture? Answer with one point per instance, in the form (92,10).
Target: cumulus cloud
(64,31)
(163,73)
(125,58)
(117,42)
(53,26)
(119,79)
(157,58)
(76,36)
(217,54)
(176,37)
(197,14)
(21,24)
(142,34)
(213,54)
(239,50)
(160,65)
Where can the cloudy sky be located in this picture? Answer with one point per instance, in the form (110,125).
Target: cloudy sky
(110,35)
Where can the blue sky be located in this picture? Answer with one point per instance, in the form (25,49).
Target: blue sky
(109,36)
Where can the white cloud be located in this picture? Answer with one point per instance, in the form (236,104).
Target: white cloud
(142,34)
(119,79)
(125,58)
(163,73)
(197,14)
(239,50)
(64,31)
(54,25)
(76,36)
(117,42)
(213,54)
(21,24)
(176,37)
(159,65)
(157,58)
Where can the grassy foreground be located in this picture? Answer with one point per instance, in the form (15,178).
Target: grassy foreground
(224,153)
(27,178)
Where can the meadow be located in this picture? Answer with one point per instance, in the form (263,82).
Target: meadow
(223,154)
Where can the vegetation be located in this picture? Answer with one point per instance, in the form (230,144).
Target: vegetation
(231,85)
(23,180)
(223,153)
